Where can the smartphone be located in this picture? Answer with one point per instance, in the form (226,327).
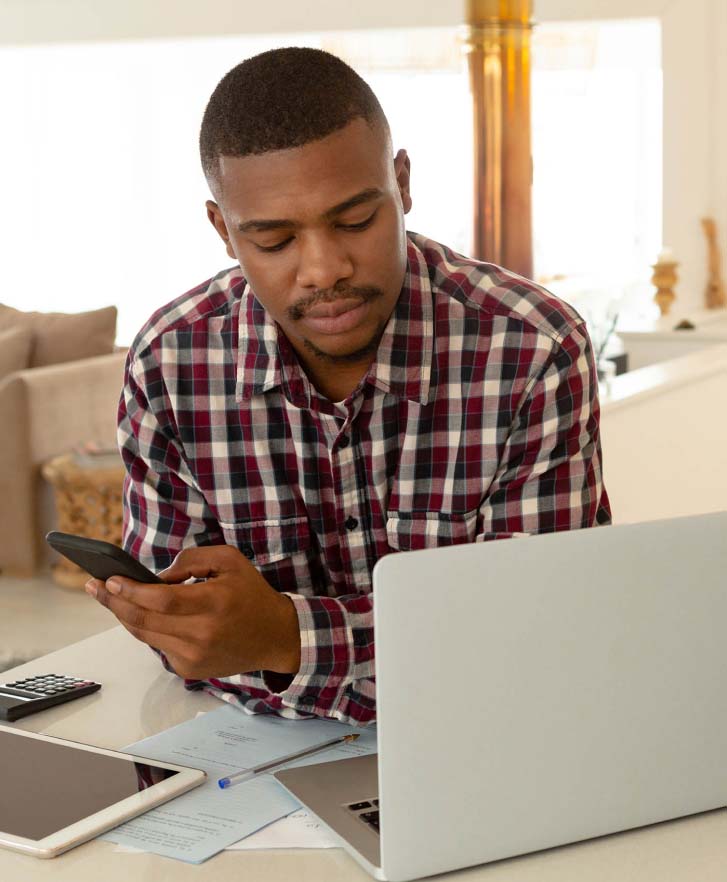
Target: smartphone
(101,559)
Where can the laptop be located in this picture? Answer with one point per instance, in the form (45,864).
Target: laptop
(535,692)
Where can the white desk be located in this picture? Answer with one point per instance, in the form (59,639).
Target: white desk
(139,699)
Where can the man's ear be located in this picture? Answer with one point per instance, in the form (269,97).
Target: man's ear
(402,170)
(214,215)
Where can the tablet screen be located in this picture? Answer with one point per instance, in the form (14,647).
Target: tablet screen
(44,786)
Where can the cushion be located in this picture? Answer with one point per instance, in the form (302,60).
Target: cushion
(15,344)
(60,336)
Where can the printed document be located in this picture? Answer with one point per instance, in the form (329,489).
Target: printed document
(198,824)
(299,830)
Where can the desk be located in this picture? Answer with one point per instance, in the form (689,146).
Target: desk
(139,699)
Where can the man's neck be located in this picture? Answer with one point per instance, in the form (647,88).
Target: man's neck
(336,381)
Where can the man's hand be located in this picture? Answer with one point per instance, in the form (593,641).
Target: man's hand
(232,623)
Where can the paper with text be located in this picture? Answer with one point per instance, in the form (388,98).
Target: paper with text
(298,830)
(198,824)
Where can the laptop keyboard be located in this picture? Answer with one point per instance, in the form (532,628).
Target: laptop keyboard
(367,811)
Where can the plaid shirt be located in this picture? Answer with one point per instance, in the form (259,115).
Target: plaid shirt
(477,420)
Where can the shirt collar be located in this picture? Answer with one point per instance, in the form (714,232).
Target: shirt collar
(258,363)
(403,362)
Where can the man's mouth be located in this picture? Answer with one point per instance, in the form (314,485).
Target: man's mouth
(337,317)
(333,302)
(333,309)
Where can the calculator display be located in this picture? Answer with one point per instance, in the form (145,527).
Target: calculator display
(45,786)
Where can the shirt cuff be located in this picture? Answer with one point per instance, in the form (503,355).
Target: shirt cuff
(327,657)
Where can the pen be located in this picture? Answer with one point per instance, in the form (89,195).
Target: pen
(246,774)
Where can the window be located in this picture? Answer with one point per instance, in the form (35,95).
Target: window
(597,147)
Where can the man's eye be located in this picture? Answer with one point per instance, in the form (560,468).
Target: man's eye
(359,226)
(271,248)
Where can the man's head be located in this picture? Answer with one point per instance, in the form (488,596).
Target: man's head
(309,199)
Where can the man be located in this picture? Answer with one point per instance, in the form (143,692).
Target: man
(346,391)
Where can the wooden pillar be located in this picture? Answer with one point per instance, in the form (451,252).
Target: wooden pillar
(498,46)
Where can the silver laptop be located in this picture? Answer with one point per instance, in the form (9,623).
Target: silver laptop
(535,692)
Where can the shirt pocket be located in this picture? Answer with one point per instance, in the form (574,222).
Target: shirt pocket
(269,542)
(410,531)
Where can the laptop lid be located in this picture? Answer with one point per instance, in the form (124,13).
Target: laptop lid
(538,691)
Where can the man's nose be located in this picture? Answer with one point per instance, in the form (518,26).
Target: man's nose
(322,261)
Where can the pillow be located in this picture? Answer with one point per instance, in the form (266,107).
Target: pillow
(15,345)
(60,336)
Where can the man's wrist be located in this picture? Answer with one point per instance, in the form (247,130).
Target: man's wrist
(285,653)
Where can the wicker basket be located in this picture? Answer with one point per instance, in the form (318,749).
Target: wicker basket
(88,495)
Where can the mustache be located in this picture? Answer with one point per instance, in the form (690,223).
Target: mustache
(340,291)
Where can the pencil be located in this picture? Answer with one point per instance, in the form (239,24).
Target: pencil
(246,774)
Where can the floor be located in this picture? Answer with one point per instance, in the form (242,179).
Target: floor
(37,616)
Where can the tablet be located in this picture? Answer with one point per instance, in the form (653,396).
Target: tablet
(56,794)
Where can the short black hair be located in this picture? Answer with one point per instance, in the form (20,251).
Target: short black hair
(280,99)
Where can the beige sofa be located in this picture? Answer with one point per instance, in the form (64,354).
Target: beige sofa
(46,411)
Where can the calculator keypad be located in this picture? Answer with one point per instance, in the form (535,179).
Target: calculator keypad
(27,695)
(49,684)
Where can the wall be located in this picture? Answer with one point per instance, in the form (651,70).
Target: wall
(664,441)
(38,21)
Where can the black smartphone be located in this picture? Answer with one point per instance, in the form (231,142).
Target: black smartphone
(101,559)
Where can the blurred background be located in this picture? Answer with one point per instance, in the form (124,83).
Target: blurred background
(101,104)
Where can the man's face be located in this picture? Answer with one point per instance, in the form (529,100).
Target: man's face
(319,233)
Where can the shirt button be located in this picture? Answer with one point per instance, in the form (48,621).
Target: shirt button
(344,442)
(351,523)
(248,551)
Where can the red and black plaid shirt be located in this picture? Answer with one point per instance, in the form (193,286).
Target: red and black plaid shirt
(477,420)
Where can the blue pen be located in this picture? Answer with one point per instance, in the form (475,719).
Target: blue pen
(246,774)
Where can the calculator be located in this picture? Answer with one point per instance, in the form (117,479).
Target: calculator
(30,694)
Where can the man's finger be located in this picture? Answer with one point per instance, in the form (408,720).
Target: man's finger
(166,600)
(135,616)
(187,660)
(170,645)
(204,562)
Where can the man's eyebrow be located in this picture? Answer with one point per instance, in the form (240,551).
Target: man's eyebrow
(262,226)
(364,196)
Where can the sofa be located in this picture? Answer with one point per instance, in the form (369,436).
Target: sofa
(47,410)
